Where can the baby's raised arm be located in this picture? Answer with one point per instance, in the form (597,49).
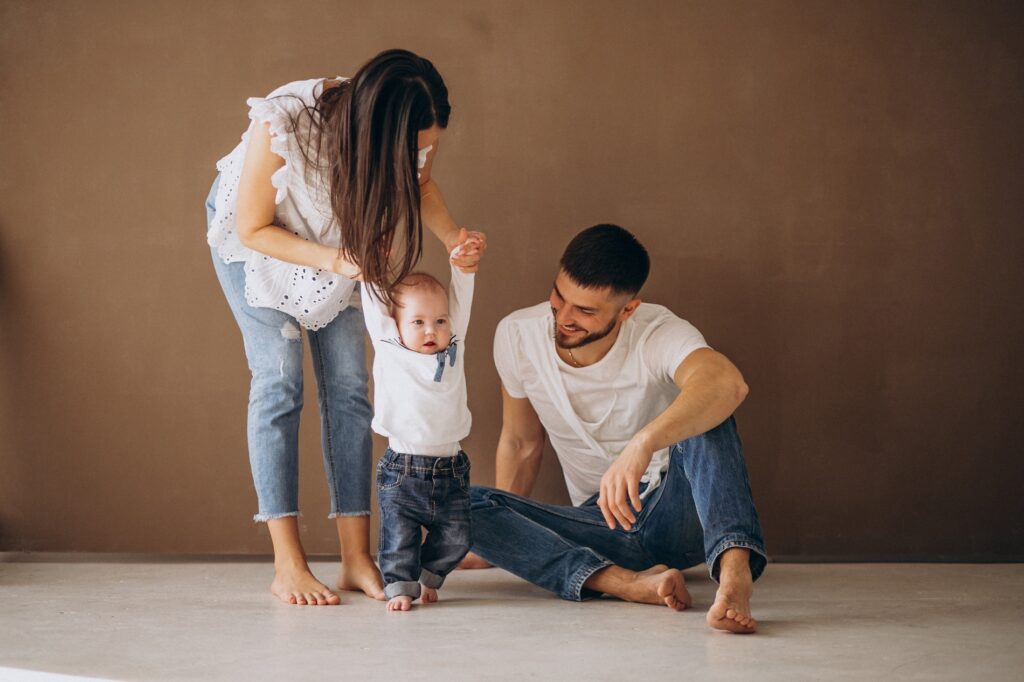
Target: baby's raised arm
(460,301)
(379,322)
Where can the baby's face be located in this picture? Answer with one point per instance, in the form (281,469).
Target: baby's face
(423,319)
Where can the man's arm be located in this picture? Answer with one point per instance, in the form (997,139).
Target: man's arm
(520,446)
(710,389)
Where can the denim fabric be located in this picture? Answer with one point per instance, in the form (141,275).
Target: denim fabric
(414,492)
(273,348)
(702,508)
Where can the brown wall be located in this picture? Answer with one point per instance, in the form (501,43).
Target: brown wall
(831,192)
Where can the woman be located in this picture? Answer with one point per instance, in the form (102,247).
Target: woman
(330,183)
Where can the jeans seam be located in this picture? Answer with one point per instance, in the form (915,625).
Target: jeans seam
(326,426)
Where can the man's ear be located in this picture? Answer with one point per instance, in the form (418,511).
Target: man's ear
(629,309)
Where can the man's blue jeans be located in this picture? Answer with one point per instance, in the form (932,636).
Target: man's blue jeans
(273,348)
(416,492)
(702,508)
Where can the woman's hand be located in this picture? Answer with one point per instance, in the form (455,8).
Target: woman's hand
(341,265)
(465,248)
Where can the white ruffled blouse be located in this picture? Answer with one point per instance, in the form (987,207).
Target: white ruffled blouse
(313,297)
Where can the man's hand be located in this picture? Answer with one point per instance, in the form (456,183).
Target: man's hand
(622,481)
(465,248)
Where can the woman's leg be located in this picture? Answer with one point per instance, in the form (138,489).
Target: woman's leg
(339,362)
(273,348)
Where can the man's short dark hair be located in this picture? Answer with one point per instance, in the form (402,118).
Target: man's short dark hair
(607,256)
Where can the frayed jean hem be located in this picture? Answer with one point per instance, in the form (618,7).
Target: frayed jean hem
(337,515)
(263,518)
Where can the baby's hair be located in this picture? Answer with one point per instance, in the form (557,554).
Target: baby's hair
(415,280)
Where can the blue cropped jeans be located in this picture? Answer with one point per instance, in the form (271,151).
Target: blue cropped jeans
(273,348)
(702,508)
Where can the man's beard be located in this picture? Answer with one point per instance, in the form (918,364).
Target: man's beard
(587,338)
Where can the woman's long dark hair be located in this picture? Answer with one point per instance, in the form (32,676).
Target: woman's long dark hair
(363,146)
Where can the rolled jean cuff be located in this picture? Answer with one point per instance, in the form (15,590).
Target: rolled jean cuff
(574,590)
(758,557)
(429,579)
(263,518)
(402,588)
(341,514)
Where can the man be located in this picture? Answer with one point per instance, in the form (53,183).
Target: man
(638,409)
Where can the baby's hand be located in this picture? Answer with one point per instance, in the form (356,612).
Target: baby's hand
(470,248)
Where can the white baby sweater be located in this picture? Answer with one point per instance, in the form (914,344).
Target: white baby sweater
(419,403)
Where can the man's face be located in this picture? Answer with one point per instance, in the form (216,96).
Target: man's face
(583,315)
(422,319)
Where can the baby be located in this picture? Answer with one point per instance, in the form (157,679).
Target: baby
(420,406)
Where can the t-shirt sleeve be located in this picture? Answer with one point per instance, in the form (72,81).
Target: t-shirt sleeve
(505,359)
(379,324)
(669,344)
(460,301)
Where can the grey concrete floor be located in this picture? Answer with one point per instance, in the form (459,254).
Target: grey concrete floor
(217,621)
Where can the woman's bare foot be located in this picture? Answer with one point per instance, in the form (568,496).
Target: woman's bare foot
(657,585)
(731,610)
(359,574)
(428,595)
(402,602)
(295,584)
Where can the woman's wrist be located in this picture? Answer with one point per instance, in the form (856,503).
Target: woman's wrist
(333,260)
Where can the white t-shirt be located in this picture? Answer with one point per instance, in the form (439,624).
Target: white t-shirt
(313,297)
(420,404)
(590,413)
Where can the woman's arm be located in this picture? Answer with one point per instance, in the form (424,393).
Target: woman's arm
(435,216)
(255,216)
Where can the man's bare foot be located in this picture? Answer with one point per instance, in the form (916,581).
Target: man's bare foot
(471,561)
(296,585)
(359,574)
(402,602)
(428,595)
(657,585)
(731,610)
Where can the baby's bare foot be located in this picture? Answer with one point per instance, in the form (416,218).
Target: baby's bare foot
(428,595)
(360,574)
(296,585)
(402,602)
